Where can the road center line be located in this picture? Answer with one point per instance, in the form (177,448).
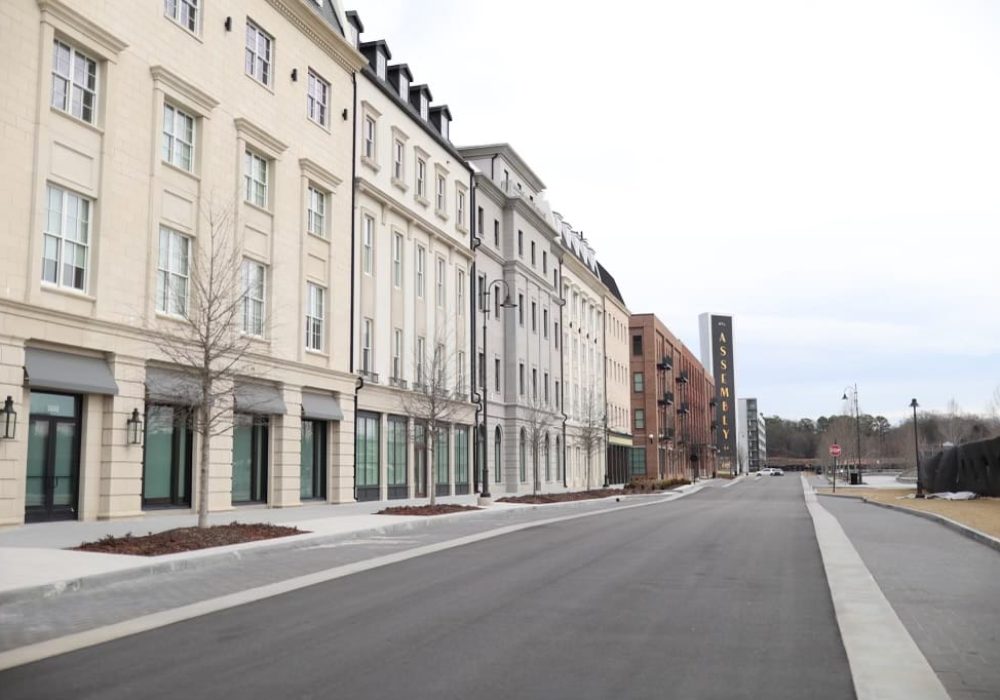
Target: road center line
(885,662)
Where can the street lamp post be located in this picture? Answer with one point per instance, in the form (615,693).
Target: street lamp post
(857,422)
(916,449)
(506,304)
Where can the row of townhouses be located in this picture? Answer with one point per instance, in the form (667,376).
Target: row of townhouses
(404,317)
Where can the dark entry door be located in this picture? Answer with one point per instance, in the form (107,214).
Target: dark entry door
(53,473)
(166,466)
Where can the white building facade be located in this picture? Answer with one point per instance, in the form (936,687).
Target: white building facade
(752,436)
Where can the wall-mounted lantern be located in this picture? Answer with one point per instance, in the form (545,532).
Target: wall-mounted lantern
(9,420)
(134,428)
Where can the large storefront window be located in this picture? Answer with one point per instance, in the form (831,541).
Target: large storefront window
(396,457)
(637,466)
(366,457)
(420,460)
(441,462)
(461,460)
(250,458)
(166,457)
(312,467)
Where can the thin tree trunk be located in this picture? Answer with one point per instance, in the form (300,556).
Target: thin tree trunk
(431,470)
(203,465)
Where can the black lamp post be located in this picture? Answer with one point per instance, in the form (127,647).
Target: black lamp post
(857,422)
(916,448)
(9,419)
(506,304)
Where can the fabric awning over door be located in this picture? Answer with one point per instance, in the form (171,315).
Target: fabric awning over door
(62,371)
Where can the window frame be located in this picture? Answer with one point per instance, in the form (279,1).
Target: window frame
(252,157)
(315,317)
(313,101)
(165,275)
(367,244)
(84,204)
(397,259)
(249,300)
(177,14)
(265,76)
(313,195)
(170,139)
(93,69)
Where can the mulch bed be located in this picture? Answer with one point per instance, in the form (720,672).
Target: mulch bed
(562,497)
(438,509)
(185,539)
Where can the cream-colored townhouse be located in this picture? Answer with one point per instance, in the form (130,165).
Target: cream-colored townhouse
(143,132)
(412,274)
(618,385)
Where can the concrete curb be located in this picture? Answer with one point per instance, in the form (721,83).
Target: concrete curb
(958,527)
(205,558)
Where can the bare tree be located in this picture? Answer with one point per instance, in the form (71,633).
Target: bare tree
(207,341)
(994,411)
(591,428)
(435,400)
(538,421)
(953,425)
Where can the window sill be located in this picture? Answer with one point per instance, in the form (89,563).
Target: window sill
(369,163)
(258,207)
(440,214)
(320,125)
(317,353)
(261,340)
(318,236)
(194,35)
(266,86)
(176,168)
(421,200)
(400,184)
(76,120)
(68,291)
(174,318)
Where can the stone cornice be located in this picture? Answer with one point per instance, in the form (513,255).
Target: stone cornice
(314,27)
(318,172)
(196,97)
(498,196)
(506,151)
(249,130)
(108,42)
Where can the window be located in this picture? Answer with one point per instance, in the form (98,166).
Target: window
(545,323)
(178,138)
(637,382)
(317,99)
(366,452)
(421,261)
(520,378)
(369,139)
(441,195)
(255,178)
(258,54)
(172,273)
(460,291)
(460,371)
(520,309)
(397,353)
(66,240)
(380,65)
(442,364)
(253,298)
(545,385)
(460,208)
(496,374)
(316,214)
(521,461)
(396,457)
(636,344)
(532,253)
(421,350)
(520,244)
(534,384)
(184,12)
(421,178)
(397,259)
(461,457)
(367,244)
(534,317)
(398,159)
(555,333)
(557,394)
(496,233)
(366,345)
(482,370)
(74,82)
(640,419)
(545,262)
(496,306)
(315,316)
(439,284)
(480,222)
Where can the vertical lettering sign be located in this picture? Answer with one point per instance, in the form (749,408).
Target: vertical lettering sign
(725,409)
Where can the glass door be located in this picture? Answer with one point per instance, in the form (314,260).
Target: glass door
(167,450)
(312,470)
(250,458)
(53,471)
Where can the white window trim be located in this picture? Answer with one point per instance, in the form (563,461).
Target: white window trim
(61,239)
(165,275)
(70,84)
(318,110)
(248,299)
(312,319)
(250,158)
(168,152)
(367,244)
(312,214)
(267,62)
(177,16)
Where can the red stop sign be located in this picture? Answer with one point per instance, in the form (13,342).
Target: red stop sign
(834,450)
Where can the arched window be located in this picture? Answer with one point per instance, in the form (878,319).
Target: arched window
(548,460)
(497,461)
(522,462)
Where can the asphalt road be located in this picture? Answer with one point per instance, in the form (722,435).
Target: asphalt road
(718,595)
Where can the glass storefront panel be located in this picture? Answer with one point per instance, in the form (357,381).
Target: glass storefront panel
(250,462)
(396,457)
(366,456)
(38,444)
(461,458)
(312,473)
(441,462)
(159,453)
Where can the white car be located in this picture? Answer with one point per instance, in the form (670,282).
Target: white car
(770,471)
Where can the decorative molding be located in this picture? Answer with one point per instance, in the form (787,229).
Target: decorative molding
(315,171)
(194,96)
(260,137)
(316,28)
(71,19)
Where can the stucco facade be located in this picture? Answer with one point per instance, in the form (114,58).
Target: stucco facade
(131,154)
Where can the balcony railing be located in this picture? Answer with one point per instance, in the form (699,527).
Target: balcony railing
(667,434)
(682,378)
(667,399)
(666,363)
(398,383)
(684,409)
(370,377)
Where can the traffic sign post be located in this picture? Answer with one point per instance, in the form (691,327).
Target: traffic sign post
(835,452)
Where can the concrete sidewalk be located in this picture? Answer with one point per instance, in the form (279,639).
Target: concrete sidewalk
(35,561)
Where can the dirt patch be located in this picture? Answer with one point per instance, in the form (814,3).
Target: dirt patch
(185,539)
(438,509)
(562,497)
(982,514)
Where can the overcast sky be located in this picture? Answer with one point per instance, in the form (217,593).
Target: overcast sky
(827,172)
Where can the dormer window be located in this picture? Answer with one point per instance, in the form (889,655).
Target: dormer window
(423,106)
(380,65)
(404,87)
(352,34)
(444,127)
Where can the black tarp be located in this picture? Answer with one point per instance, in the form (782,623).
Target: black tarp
(974,466)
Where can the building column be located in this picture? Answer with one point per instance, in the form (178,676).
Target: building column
(340,488)
(118,474)
(13,453)
(286,466)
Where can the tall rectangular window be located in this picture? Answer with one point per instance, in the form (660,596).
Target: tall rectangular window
(397,354)
(496,374)
(558,395)
(178,138)
(439,297)
(184,12)
(532,253)
(640,419)
(253,298)
(172,275)
(369,139)
(460,208)
(317,98)
(315,316)
(420,268)
(66,239)
(479,221)
(545,385)
(421,178)
(441,198)
(460,291)
(555,333)
(367,244)
(366,345)
(520,378)
(496,233)
(636,344)
(520,310)
(482,371)
(545,262)
(316,214)
(460,371)
(258,54)
(74,82)
(638,382)
(255,178)
(421,358)
(396,457)
(398,160)
(534,317)
(520,244)
(534,384)
(461,457)
(545,323)
(397,259)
